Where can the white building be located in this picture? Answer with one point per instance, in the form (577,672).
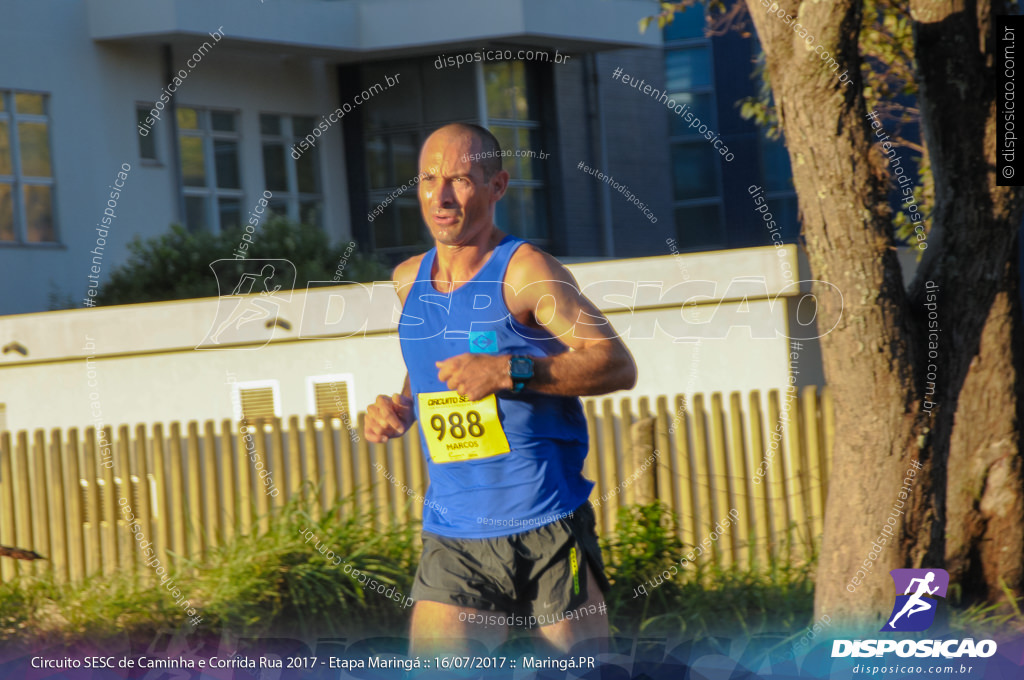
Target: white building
(237,85)
(78,77)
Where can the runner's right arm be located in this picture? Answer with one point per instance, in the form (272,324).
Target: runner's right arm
(390,417)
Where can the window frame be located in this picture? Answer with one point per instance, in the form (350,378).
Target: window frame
(778,195)
(409,197)
(145,108)
(420,129)
(213,193)
(17,180)
(288,139)
(718,201)
(516,124)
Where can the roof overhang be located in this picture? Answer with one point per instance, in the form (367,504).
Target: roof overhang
(353,30)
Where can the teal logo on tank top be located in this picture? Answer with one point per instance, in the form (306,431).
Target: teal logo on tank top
(482,342)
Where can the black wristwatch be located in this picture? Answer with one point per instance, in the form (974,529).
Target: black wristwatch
(520,369)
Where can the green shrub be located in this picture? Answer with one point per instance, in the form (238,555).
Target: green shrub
(278,582)
(275,583)
(176,265)
(698,600)
(268,582)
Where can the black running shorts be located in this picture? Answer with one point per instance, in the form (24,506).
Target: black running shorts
(538,573)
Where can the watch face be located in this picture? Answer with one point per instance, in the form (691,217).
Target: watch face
(520,367)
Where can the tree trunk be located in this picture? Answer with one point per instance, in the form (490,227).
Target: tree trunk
(841,186)
(876,360)
(984,508)
(978,491)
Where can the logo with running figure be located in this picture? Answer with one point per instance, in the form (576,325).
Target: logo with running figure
(247,315)
(914,610)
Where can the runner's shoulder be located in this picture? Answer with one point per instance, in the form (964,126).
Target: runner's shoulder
(530,264)
(405,273)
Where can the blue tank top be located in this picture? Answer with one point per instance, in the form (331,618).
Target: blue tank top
(541,478)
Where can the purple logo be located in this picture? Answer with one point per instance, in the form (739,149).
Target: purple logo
(914,610)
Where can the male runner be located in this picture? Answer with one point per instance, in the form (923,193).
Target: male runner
(499,344)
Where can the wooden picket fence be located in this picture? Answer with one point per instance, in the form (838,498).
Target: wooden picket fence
(191,488)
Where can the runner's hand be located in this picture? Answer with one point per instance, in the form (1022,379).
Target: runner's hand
(388,417)
(475,376)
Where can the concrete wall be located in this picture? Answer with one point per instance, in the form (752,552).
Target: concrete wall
(146,368)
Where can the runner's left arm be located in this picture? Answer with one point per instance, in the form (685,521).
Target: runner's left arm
(598,361)
(542,292)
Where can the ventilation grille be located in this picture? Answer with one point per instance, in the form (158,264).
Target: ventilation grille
(331,399)
(257,402)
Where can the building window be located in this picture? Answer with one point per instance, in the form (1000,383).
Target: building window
(513,117)
(27,188)
(295,183)
(209,143)
(685,24)
(397,121)
(331,396)
(499,95)
(778,187)
(256,399)
(147,142)
(696,167)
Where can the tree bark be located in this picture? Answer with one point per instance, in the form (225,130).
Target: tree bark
(876,359)
(842,185)
(20,553)
(984,507)
(977,479)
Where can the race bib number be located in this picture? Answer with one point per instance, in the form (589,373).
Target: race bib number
(457,429)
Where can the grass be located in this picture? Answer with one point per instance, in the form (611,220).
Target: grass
(994,620)
(279,582)
(274,583)
(262,584)
(700,600)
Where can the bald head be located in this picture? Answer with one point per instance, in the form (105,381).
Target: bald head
(486,150)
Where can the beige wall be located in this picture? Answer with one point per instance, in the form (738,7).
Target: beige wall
(146,367)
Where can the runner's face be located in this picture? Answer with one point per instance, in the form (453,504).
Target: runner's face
(456,201)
